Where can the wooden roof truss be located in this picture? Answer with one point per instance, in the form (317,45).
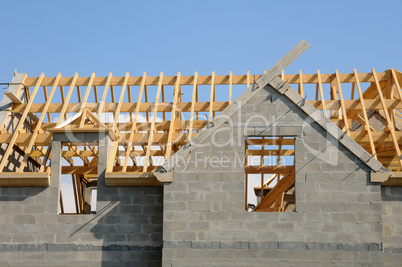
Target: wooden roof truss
(169,110)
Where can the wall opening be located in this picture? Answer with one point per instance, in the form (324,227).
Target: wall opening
(79,179)
(270,174)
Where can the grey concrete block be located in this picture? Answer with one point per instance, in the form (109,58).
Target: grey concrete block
(322,246)
(235,245)
(374,247)
(205,245)
(292,246)
(60,247)
(353,247)
(24,219)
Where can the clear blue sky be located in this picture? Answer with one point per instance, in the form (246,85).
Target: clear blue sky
(187,36)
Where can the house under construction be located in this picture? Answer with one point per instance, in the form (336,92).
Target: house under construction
(241,170)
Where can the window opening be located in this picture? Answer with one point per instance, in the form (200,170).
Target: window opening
(270,174)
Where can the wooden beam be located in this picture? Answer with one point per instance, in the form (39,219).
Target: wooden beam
(152,131)
(103,100)
(190,131)
(211,98)
(65,103)
(20,123)
(133,129)
(282,186)
(269,169)
(321,93)
(173,118)
(387,117)
(366,120)
(301,90)
(38,126)
(230,86)
(206,79)
(344,115)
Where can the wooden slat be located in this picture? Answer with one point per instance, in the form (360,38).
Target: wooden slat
(117,113)
(152,131)
(282,186)
(38,125)
(125,107)
(102,103)
(20,123)
(206,79)
(301,90)
(84,102)
(190,131)
(367,124)
(45,95)
(269,169)
(173,118)
(387,117)
(398,87)
(321,93)
(344,115)
(133,129)
(230,86)
(65,104)
(211,97)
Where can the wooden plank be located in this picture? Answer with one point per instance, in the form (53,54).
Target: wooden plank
(125,107)
(152,131)
(190,131)
(117,113)
(20,123)
(259,141)
(102,103)
(230,87)
(94,169)
(262,174)
(282,186)
(75,193)
(344,115)
(206,79)
(133,129)
(38,125)
(324,109)
(388,119)
(112,156)
(211,97)
(398,87)
(15,99)
(173,118)
(45,94)
(84,102)
(269,169)
(367,124)
(301,90)
(66,102)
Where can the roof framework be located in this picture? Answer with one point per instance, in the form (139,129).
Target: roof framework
(151,117)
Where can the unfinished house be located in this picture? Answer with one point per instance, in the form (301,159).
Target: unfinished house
(232,170)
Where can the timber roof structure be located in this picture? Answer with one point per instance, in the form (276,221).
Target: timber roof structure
(150,127)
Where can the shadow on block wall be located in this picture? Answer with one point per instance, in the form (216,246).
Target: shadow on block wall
(130,225)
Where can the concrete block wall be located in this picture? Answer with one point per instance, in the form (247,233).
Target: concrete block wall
(128,230)
(392,225)
(338,210)
(125,231)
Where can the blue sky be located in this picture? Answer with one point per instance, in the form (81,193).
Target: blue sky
(188,36)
